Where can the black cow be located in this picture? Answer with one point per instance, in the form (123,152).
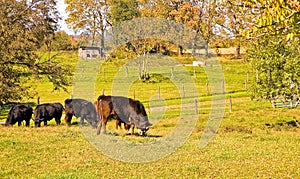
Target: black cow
(18,113)
(83,109)
(127,110)
(47,111)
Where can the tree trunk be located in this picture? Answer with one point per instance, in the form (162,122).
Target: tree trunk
(238,51)
(179,50)
(102,36)
(206,48)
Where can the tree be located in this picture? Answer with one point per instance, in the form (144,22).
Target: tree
(22,32)
(276,17)
(198,15)
(235,18)
(155,8)
(47,17)
(61,41)
(89,17)
(123,10)
(275,52)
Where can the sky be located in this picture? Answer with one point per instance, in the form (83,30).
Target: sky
(61,6)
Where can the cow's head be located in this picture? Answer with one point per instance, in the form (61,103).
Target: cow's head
(143,124)
(142,132)
(10,117)
(142,121)
(94,123)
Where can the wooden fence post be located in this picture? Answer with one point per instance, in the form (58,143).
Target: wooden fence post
(223,86)
(102,91)
(207,90)
(158,92)
(183,93)
(247,79)
(149,109)
(196,106)
(126,71)
(38,100)
(230,104)
(103,73)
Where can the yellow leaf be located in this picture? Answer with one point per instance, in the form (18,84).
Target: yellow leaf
(289,36)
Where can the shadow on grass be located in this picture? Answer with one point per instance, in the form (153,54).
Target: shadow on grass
(150,136)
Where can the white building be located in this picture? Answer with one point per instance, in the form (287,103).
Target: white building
(89,52)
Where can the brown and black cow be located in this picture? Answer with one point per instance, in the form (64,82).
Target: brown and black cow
(18,113)
(82,109)
(129,111)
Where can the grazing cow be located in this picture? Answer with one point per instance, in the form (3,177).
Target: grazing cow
(129,111)
(83,109)
(18,113)
(47,111)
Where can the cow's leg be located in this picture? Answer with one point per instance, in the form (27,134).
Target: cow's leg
(19,123)
(99,127)
(104,127)
(102,123)
(27,123)
(45,122)
(132,130)
(118,124)
(68,118)
(82,120)
(37,124)
(57,120)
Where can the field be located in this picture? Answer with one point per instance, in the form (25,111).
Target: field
(253,140)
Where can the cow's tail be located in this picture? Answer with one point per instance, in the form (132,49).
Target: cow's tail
(99,108)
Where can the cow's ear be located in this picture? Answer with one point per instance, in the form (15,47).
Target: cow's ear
(137,107)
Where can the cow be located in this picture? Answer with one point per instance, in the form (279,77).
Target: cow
(82,109)
(18,113)
(47,111)
(131,112)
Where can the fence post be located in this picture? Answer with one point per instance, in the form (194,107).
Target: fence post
(158,92)
(247,77)
(230,104)
(196,106)
(134,94)
(126,71)
(172,72)
(103,73)
(195,75)
(223,86)
(149,109)
(183,94)
(38,100)
(102,92)
(207,90)
(273,103)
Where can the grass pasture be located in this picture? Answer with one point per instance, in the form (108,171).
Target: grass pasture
(253,141)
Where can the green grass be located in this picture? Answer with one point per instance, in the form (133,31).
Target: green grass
(253,141)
